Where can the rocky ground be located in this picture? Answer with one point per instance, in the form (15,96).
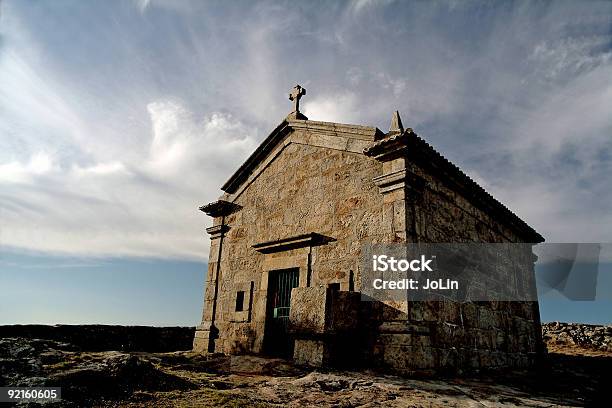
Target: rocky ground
(576,370)
(581,339)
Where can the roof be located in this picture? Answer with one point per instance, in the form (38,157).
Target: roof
(418,150)
(423,154)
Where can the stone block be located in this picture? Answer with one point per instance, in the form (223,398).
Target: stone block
(421,357)
(415,310)
(314,353)
(487,318)
(395,340)
(449,335)
(308,310)
(449,311)
(430,310)
(448,359)
(344,311)
(201,341)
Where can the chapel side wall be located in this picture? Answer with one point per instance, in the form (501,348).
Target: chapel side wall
(305,189)
(471,335)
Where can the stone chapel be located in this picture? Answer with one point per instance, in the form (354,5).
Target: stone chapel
(284,265)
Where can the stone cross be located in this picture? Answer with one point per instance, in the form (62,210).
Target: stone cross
(296,93)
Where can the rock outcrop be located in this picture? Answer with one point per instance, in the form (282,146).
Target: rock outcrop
(588,336)
(83,376)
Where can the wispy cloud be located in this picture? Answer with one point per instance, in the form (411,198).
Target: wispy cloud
(119,119)
(125,207)
(142,4)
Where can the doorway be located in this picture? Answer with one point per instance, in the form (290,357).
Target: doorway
(277,340)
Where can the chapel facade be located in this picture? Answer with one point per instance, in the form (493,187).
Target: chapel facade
(284,265)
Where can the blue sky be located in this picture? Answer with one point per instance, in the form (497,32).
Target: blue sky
(119,118)
(50,289)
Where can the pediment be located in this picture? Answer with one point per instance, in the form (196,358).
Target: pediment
(324,134)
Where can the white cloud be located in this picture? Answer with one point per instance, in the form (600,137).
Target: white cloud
(576,112)
(102,169)
(566,57)
(139,208)
(142,4)
(39,164)
(340,107)
(110,140)
(34,103)
(361,6)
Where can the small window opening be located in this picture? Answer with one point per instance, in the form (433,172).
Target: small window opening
(240,301)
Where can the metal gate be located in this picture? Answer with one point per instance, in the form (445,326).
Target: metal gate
(278,342)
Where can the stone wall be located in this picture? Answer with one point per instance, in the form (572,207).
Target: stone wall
(446,335)
(102,338)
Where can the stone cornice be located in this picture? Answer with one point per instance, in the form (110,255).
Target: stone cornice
(391,147)
(353,131)
(298,241)
(219,208)
(399,179)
